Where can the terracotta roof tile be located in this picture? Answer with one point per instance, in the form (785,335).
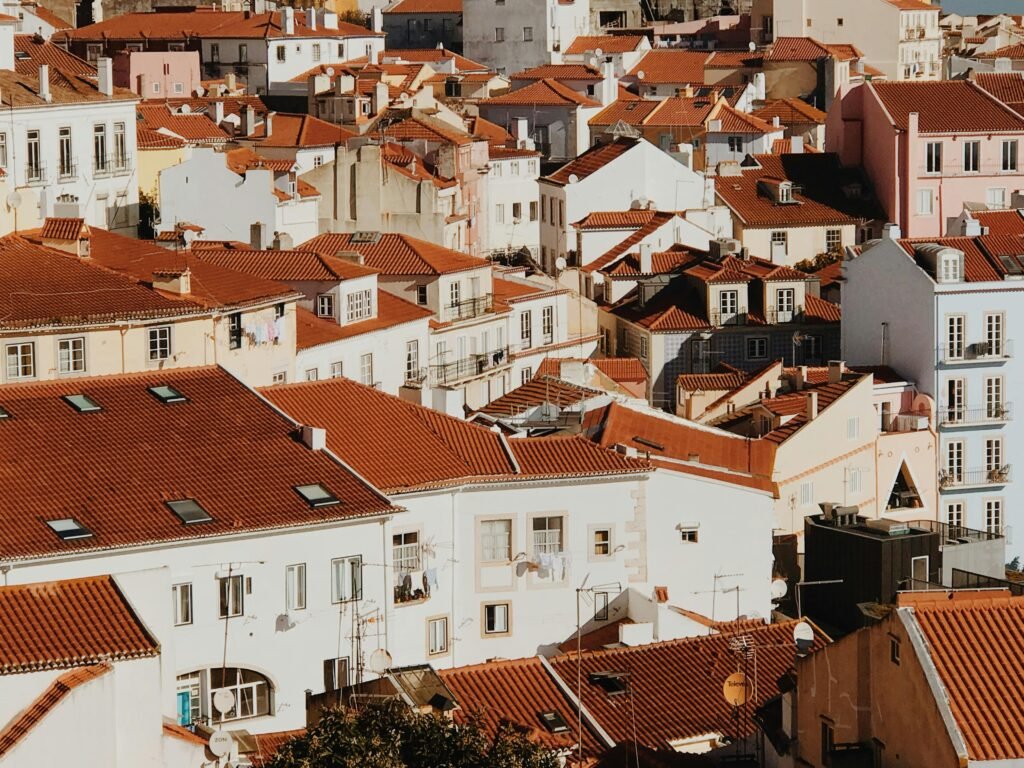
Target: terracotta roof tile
(785,147)
(631,111)
(796,49)
(621,369)
(268,744)
(48,16)
(654,223)
(735,121)
(536,392)
(58,624)
(429,129)
(981,254)
(724,380)
(976,109)
(607,44)
(559,72)
(176,731)
(64,229)
(790,111)
(285,266)
(46,702)
(662,263)
(671,66)
(364,425)
(546,92)
(426,6)
(146,138)
(301,131)
(1014,51)
(1008,87)
(631,219)
(22,90)
(1009,222)
(395,254)
(428,55)
(31,51)
(591,161)
(193,128)
(733,60)
(312,331)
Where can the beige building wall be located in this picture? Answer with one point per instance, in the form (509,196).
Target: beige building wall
(801,242)
(151,162)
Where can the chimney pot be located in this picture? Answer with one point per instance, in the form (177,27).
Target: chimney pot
(44,82)
(812,405)
(314,438)
(105,71)
(836,369)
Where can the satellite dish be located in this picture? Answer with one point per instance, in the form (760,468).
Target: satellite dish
(223,700)
(598,52)
(751,46)
(14,199)
(573,178)
(640,75)
(220,743)
(737,689)
(560,263)
(380,661)
(330,72)
(803,636)
(185,109)
(200,91)
(779,589)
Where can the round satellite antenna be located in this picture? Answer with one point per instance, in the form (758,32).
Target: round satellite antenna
(330,72)
(223,700)
(200,91)
(598,52)
(380,661)
(751,46)
(220,743)
(560,263)
(779,589)
(736,689)
(640,75)
(803,636)
(185,109)
(14,199)
(573,178)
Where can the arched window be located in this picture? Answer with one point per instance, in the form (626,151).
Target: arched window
(252,692)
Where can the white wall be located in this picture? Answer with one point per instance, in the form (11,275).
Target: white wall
(512,181)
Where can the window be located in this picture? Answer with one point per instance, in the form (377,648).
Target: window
(243,53)
(159,343)
(496,618)
(231,596)
(250,689)
(527,34)
(325,305)
(68,529)
(66,166)
(955,410)
(757,348)
(533,210)
(526,328)
(120,147)
(955,460)
(279,378)
(360,305)
(643,347)
(454,294)
(735,143)
(993,397)
(71,355)
(517,208)
(311,374)
(499,213)
(949,267)
(995,197)
(925,202)
(347,579)
(689,534)
(189,511)
(779,243)
(602,542)
(99,148)
(316,51)
(547,535)
(21,360)
(499,34)
(82,403)
(894,650)
(336,369)
(295,587)
(955,337)
(3,150)
(1009,155)
(156,87)
(336,674)
(972,156)
(405,552)
(437,636)
(235,330)
(933,157)
(955,514)
(994,334)
(496,541)
(993,454)
(278,311)
(854,480)
(318,161)
(785,304)
(167,394)
(828,743)
(93,51)
(366,369)
(561,213)
(853,428)
(994,515)
(543,207)
(728,304)
(833,240)
(33,160)
(182,596)
(316,495)
(281,53)
(421,294)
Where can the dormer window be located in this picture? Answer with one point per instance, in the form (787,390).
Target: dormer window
(950,267)
(785,193)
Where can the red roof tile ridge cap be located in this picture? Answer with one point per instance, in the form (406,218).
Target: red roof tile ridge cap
(492,664)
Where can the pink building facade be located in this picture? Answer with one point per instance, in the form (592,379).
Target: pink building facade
(929,148)
(158,74)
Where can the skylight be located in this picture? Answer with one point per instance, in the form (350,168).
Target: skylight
(189,511)
(82,403)
(554,721)
(167,394)
(4,414)
(612,683)
(68,528)
(316,495)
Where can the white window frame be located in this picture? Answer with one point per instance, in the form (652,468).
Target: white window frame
(994,516)
(366,369)
(325,305)
(159,343)
(15,365)
(499,616)
(496,540)
(925,202)
(295,587)
(549,538)
(346,579)
(181,594)
(437,636)
(1008,156)
(933,157)
(231,596)
(972,156)
(359,305)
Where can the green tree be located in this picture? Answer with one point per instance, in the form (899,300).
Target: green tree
(390,735)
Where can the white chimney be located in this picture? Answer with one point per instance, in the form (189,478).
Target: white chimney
(218,112)
(105,71)
(330,20)
(972,227)
(248,120)
(377,17)
(776,123)
(7,29)
(268,123)
(314,438)
(609,83)
(796,145)
(646,262)
(836,369)
(520,130)
(891,231)
(759,86)
(812,405)
(44,82)
(380,98)
(288,20)
(800,378)
(311,17)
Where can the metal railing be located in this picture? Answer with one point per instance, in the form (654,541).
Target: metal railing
(775,316)
(415,377)
(66,171)
(35,173)
(978,351)
(960,416)
(954,534)
(965,478)
(967,580)
(718,317)
(444,374)
(465,310)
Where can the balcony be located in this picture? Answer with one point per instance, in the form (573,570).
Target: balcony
(996,351)
(954,534)
(963,479)
(468,309)
(415,377)
(992,415)
(719,317)
(458,371)
(67,171)
(35,173)
(776,316)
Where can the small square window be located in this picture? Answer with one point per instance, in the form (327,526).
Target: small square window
(69,528)
(894,650)
(421,294)
(602,542)
(600,606)
(316,495)
(554,722)
(167,394)
(496,619)
(189,511)
(688,534)
(82,403)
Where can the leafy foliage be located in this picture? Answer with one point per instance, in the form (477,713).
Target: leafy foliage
(390,735)
(819,262)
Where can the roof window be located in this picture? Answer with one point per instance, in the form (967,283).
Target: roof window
(612,683)
(316,495)
(82,403)
(554,721)
(167,394)
(4,413)
(189,511)
(68,529)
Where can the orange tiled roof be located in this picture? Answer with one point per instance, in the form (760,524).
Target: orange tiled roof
(797,49)
(284,266)
(1014,51)
(193,128)
(621,369)
(591,161)
(631,219)
(224,447)
(45,703)
(176,731)
(146,138)
(1008,87)
(1009,222)
(429,55)
(395,254)
(976,648)
(726,378)
(631,111)
(536,392)
(364,425)
(312,331)
(791,110)
(733,60)
(547,93)
(734,121)
(658,220)
(627,266)
(64,229)
(30,51)
(301,131)
(914,5)
(268,744)
(607,44)
(45,14)
(426,6)
(69,623)
(671,66)
(559,72)
(427,128)
(976,109)
(983,256)
(22,90)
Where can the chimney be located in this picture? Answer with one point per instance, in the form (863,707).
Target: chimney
(7,29)
(646,266)
(143,84)
(520,129)
(218,112)
(330,19)
(178,282)
(812,405)
(379,101)
(836,369)
(688,91)
(776,123)
(288,20)
(346,84)
(314,438)
(800,377)
(229,82)
(268,123)
(796,145)
(891,231)
(609,83)
(972,227)
(377,19)
(105,71)
(311,17)
(248,121)
(572,371)
(44,83)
